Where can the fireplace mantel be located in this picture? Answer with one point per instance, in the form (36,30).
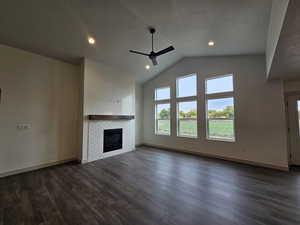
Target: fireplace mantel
(111,117)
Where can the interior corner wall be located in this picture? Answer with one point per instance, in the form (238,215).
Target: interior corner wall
(278,13)
(105,91)
(259,111)
(44,94)
(139,114)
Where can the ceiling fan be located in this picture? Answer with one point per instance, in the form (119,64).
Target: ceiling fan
(153,55)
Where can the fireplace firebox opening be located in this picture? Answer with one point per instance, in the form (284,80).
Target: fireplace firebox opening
(113,140)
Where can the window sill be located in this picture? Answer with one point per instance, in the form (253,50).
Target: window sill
(221,140)
(192,137)
(157,134)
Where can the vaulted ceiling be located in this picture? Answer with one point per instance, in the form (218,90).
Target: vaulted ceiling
(59,29)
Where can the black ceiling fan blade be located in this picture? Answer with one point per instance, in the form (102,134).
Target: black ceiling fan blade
(154,61)
(140,53)
(164,51)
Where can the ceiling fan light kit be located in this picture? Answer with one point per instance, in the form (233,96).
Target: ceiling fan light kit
(153,55)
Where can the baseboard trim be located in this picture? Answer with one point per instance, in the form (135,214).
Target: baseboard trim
(84,161)
(242,161)
(41,166)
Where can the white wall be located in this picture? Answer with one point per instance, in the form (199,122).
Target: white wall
(139,113)
(259,108)
(106,90)
(278,12)
(45,94)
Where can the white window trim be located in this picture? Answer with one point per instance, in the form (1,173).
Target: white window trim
(193,98)
(159,102)
(220,95)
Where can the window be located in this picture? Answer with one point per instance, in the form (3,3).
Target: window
(219,85)
(220,108)
(163,125)
(187,106)
(162,111)
(162,93)
(187,86)
(187,119)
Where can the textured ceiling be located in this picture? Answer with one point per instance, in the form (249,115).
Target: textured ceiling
(286,61)
(59,29)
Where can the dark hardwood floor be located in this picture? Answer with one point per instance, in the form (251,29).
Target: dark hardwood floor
(154,187)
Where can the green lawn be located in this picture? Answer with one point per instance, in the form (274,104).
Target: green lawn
(221,129)
(188,128)
(164,126)
(217,128)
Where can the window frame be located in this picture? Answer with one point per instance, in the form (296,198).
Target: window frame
(220,95)
(161,102)
(178,100)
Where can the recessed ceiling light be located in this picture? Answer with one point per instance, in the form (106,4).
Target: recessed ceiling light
(211,43)
(91,40)
(147,67)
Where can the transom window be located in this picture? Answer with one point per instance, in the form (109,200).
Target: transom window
(186,86)
(162,93)
(220,108)
(162,111)
(219,85)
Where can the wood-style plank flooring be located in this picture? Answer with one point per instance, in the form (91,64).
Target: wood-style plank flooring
(151,187)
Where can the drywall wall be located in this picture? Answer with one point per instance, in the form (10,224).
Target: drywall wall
(44,94)
(139,114)
(107,91)
(259,110)
(278,12)
(292,86)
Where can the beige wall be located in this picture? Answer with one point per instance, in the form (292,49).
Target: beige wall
(259,108)
(139,113)
(41,92)
(292,86)
(278,12)
(106,90)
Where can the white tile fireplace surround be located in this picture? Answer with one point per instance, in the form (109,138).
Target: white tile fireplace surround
(108,103)
(96,137)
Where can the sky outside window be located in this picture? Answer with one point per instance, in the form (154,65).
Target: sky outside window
(219,104)
(187,86)
(162,93)
(218,85)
